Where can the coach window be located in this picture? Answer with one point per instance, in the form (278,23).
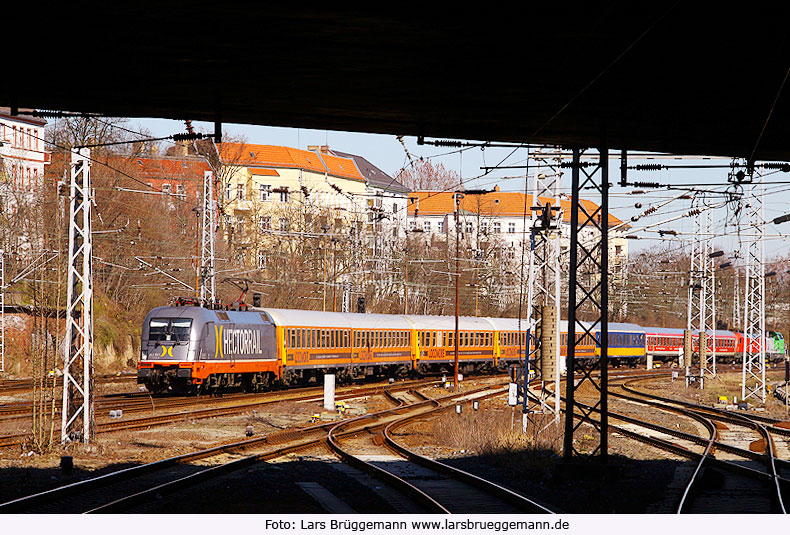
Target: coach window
(292,338)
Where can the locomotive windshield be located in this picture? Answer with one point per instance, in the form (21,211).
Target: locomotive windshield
(169,329)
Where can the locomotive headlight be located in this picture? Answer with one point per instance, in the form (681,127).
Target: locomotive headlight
(143,354)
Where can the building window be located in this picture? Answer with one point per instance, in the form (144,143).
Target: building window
(441,226)
(265,222)
(426,226)
(497,227)
(166,189)
(284,194)
(261,259)
(469,227)
(511,228)
(264,192)
(229,191)
(412,225)
(240,192)
(283,224)
(484,228)
(181,190)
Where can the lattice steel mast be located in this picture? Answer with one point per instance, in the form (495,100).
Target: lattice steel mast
(209,224)
(588,288)
(753,379)
(702,289)
(77,412)
(543,294)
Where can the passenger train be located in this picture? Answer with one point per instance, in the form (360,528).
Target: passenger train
(191,349)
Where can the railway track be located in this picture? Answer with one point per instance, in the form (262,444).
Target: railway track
(13,386)
(730,477)
(227,406)
(136,488)
(726,477)
(455,490)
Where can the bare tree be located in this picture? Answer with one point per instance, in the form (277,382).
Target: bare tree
(424,175)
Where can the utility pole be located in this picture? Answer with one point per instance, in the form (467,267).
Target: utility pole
(2,311)
(78,354)
(457,196)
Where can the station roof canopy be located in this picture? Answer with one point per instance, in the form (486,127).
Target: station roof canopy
(682,77)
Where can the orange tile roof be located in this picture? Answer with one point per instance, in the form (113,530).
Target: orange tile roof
(497,203)
(247,154)
(158,167)
(342,167)
(263,172)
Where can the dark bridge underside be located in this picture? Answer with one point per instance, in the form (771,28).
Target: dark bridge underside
(681,80)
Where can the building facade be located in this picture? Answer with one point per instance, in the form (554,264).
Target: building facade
(502,219)
(23,153)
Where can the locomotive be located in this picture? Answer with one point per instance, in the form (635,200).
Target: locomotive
(191,349)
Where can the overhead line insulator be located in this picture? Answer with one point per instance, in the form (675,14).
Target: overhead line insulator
(649,167)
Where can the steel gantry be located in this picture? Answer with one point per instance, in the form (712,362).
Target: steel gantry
(702,289)
(543,287)
(588,295)
(77,413)
(753,379)
(208,227)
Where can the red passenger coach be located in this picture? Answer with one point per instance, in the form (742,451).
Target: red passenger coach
(667,343)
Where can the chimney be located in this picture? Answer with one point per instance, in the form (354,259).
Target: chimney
(182,149)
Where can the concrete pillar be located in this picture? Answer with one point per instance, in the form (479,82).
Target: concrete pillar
(649,361)
(329,392)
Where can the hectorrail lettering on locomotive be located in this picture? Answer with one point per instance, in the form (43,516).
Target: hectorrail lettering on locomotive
(241,341)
